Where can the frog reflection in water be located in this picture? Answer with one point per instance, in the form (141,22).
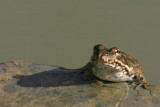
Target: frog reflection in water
(114,65)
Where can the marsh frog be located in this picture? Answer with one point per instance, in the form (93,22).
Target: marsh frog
(114,65)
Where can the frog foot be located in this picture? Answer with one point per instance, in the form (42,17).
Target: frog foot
(145,86)
(136,87)
(148,87)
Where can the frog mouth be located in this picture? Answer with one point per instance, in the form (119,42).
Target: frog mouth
(116,64)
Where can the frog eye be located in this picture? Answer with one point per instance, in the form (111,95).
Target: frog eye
(118,51)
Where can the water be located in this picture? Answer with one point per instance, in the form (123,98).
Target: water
(63,32)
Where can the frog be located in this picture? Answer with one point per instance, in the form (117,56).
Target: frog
(116,66)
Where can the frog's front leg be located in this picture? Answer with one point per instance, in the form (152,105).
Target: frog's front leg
(142,81)
(145,86)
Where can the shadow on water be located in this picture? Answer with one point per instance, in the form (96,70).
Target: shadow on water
(52,78)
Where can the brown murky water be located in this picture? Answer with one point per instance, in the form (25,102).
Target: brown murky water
(63,32)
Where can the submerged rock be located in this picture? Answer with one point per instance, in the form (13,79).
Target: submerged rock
(24,84)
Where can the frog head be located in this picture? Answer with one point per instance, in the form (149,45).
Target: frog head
(111,64)
(112,57)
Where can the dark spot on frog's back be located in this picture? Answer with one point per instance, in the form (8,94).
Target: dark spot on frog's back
(116,77)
